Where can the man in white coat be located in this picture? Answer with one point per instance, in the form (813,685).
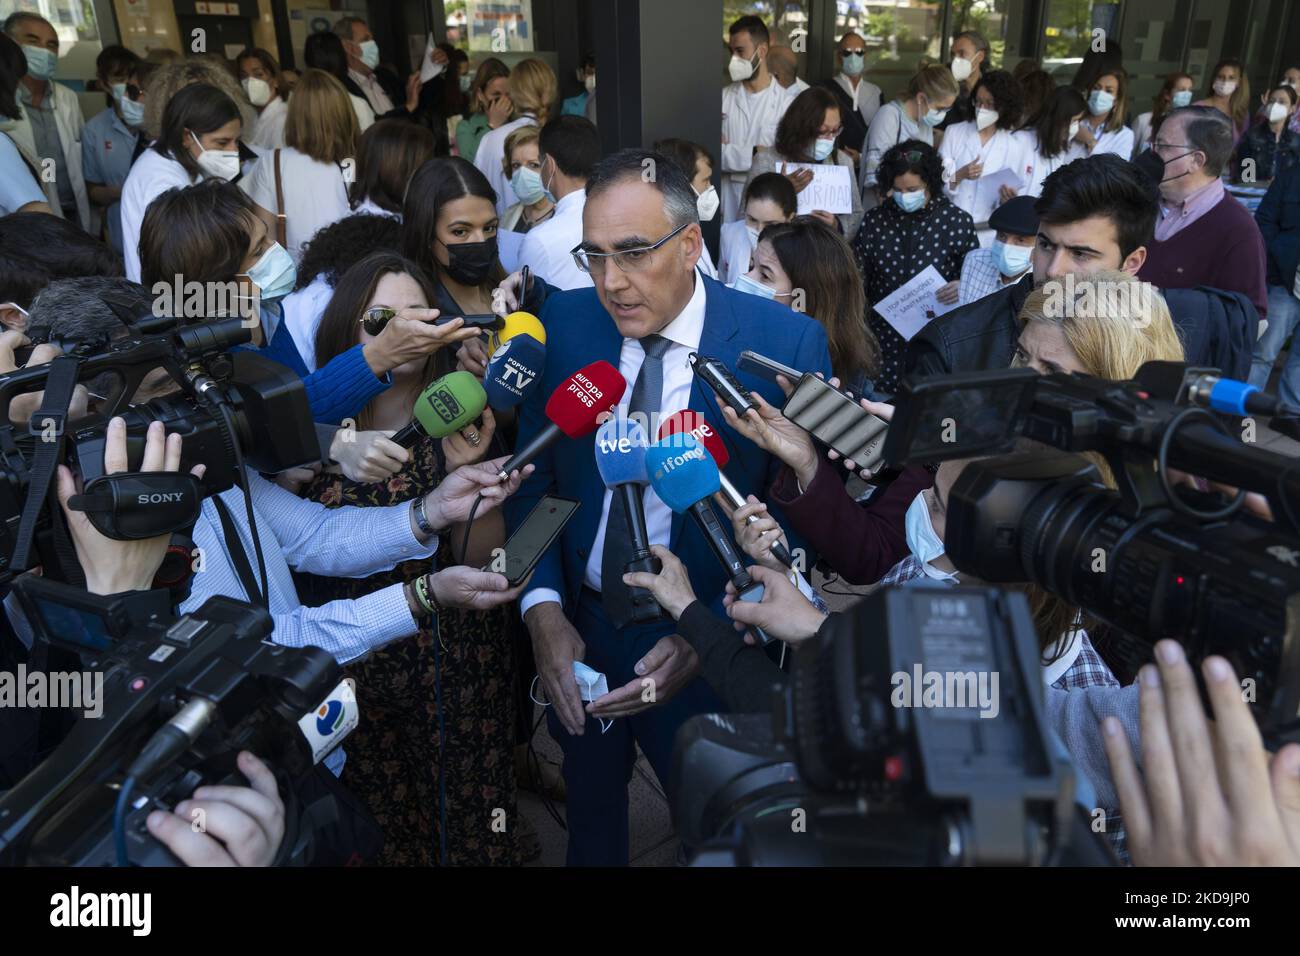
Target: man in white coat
(751,107)
(49,133)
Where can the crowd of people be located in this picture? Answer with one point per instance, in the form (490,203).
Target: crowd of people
(347,211)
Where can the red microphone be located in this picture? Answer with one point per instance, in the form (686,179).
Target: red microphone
(573,409)
(690,421)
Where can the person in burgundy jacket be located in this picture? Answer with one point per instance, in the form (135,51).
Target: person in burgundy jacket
(861,543)
(1204,235)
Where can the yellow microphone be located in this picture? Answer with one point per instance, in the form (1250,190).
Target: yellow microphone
(516,323)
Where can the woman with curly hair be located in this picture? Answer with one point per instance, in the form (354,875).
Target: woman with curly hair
(916,225)
(433,758)
(167,81)
(974,150)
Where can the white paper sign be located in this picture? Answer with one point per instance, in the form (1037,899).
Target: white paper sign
(911,306)
(831,189)
(429,69)
(988,191)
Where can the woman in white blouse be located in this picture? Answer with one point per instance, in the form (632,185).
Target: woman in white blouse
(974,152)
(259,75)
(1050,136)
(1103,130)
(914,115)
(316,166)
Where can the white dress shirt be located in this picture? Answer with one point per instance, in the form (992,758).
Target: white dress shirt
(1043,166)
(684,332)
(748,120)
(545,248)
(866,96)
(961,145)
(269,131)
(375,95)
(1117,141)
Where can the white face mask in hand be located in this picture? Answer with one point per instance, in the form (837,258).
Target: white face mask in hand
(591,685)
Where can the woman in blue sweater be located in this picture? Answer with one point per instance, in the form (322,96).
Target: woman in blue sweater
(204,253)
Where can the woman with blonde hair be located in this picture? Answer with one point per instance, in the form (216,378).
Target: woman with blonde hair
(523,168)
(1103,130)
(304,187)
(489,106)
(533,92)
(1230,94)
(914,115)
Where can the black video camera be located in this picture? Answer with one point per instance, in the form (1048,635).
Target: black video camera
(180,699)
(911,733)
(232,407)
(1151,559)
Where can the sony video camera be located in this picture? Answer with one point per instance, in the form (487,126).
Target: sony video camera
(180,698)
(230,407)
(911,733)
(1151,558)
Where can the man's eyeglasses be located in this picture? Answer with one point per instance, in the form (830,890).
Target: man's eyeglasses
(629,260)
(375,319)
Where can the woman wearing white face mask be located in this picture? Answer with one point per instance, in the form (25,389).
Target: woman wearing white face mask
(807,135)
(199,140)
(259,75)
(1103,129)
(930,94)
(1229,93)
(1049,136)
(1175,93)
(1270,147)
(973,151)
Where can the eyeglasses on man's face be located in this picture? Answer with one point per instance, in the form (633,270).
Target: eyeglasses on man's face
(629,260)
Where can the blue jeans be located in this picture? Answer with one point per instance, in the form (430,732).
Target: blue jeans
(1283,316)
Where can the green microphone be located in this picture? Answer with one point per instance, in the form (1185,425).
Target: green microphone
(446,405)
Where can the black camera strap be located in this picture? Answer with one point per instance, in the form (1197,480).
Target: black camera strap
(60,383)
(239,556)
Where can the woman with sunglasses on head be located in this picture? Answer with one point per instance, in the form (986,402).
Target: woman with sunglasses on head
(457,674)
(916,225)
(807,135)
(211,234)
(930,93)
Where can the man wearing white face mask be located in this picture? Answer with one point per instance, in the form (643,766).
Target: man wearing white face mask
(108,142)
(52,124)
(752,106)
(380,87)
(568,148)
(199,140)
(858,99)
(970,53)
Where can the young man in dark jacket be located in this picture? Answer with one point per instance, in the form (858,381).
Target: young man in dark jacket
(1278,218)
(1095,213)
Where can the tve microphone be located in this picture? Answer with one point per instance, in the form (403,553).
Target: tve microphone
(517,323)
(692,423)
(574,410)
(620,458)
(514,371)
(446,405)
(684,476)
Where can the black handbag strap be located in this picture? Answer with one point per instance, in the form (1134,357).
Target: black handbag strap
(238,556)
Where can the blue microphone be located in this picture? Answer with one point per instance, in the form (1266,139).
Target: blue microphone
(620,458)
(684,476)
(514,371)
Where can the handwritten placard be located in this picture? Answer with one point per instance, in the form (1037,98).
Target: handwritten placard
(831,189)
(909,307)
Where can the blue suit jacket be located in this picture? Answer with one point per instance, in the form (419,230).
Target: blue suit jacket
(579,331)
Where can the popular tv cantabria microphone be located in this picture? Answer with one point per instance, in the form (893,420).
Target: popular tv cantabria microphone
(514,371)
(690,422)
(573,410)
(684,476)
(516,323)
(446,405)
(620,457)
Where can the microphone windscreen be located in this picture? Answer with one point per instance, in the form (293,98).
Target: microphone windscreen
(514,371)
(449,404)
(516,323)
(681,471)
(691,422)
(588,393)
(620,452)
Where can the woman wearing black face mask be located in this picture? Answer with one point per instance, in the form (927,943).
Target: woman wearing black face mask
(450,229)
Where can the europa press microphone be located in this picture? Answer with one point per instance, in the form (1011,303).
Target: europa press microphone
(446,405)
(684,477)
(514,371)
(573,410)
(620,458)
(690,422)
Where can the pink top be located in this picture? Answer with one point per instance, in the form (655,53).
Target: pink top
(1175,217)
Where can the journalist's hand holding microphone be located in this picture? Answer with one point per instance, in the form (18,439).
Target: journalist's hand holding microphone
(767,428)
(783,612)
(367,456)
(412,334)
(757,539)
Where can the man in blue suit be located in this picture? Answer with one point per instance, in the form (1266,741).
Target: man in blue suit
(648,311)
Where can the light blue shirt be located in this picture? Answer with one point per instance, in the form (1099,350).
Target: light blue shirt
(17,187)
(107,145)
(346,542)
